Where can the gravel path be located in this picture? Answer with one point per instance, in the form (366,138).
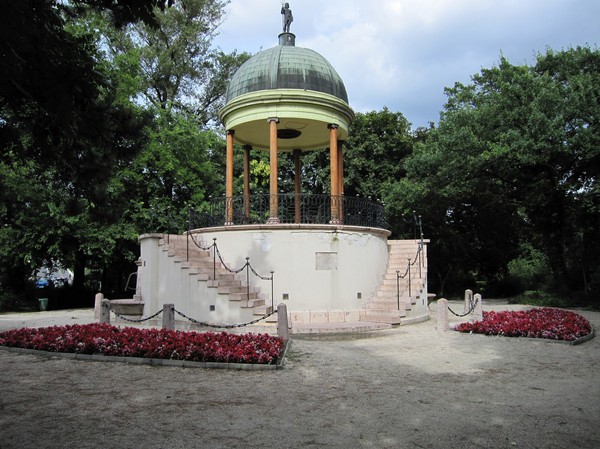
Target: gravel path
(409,387)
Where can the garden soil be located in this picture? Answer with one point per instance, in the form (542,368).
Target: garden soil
(409,387)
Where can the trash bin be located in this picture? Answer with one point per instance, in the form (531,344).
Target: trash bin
(43,303)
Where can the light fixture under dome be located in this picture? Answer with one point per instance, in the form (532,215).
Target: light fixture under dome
(288,133)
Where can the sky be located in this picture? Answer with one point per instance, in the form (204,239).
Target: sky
(401,54)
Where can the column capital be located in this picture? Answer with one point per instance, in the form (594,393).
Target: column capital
(272,119)
(333,126)
(231,131)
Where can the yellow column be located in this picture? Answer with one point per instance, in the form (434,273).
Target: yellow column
(341,178)
(334,168)
(247,149)
(297,184)
(273,199)
(229,179)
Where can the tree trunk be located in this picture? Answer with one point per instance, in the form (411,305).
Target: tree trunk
(79,271)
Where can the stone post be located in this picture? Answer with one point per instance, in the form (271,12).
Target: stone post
(105,311)
(468,300)
(168,317)
(282,322)
(442,315)
(98,305)
(478,312)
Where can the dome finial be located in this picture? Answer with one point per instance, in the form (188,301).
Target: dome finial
(286,16)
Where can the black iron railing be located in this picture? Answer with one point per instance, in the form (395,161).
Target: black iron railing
(291,208)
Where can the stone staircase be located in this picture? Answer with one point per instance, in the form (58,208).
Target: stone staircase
(383,306)
(198,262)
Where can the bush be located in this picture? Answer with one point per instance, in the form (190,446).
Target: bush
(531,270)
(540,298)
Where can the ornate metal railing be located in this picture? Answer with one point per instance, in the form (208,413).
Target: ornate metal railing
(291,208)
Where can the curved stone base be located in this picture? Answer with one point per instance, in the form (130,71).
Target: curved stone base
(324,273)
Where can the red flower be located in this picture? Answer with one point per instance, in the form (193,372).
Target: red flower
(150,343)
(555,324)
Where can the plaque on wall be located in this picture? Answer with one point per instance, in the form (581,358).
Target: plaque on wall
(326,261)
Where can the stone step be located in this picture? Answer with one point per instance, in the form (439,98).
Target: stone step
(388,305)
(380,297)
(263,310)
(231,289)
(129,307)
(384,316)
(390,284)
(216,283)
(242,296)
(221,275)
(391,275)
(252,303)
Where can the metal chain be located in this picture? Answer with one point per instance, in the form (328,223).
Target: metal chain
(473,305)
(264,278)
(224,326)
(132,320)
(404,275)
(201,323)
(200,246)
(226,267)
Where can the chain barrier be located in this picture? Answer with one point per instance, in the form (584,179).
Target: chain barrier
(472,307)
(411,262)
(131,320)
(223,326)
(264,278)
(200,246)
(200,323)
(247,266)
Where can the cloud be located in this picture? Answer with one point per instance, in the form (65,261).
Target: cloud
(403,53)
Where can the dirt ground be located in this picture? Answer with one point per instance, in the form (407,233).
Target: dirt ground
(409,387)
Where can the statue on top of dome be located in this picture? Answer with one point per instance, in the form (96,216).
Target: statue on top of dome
(287,17)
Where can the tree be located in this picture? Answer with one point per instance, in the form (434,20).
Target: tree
(373,154)
(515,161)
(173,173)
(172,62)
(61,133)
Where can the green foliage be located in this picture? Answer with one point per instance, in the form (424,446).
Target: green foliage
(530,269)
(540,298)
(377,145)
(514,161)
(170,64)
(172,173)
(84,170)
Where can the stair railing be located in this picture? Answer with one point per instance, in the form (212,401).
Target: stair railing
(408,272)
(247,266)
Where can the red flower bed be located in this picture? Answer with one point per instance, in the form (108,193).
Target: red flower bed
(554,324)
(150,343)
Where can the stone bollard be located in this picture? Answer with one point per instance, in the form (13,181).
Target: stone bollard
(105,311)
(478,312)
(282,322)
(468,300)
(168,317)
(442,315)
(97,305)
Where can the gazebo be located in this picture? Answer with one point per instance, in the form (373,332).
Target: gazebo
(286,99)
(327,256)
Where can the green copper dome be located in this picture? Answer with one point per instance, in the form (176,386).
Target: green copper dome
(286,67)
